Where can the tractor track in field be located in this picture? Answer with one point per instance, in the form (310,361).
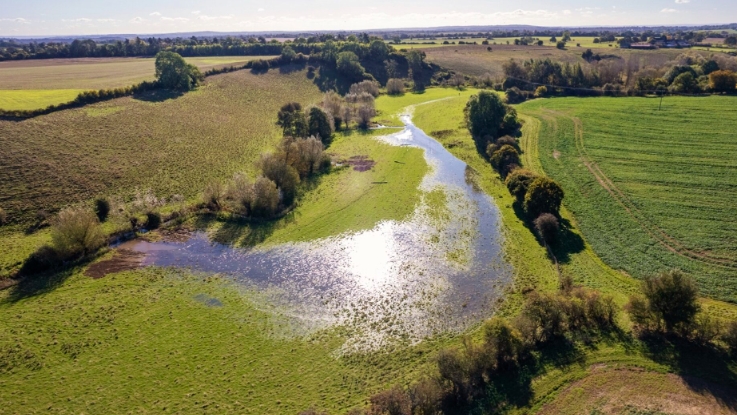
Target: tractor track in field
(651,229)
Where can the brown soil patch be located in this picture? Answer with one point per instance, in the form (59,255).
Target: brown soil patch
(556,154)
(175,234)
(7,283)
(360,163)
(124,260)
(620,391)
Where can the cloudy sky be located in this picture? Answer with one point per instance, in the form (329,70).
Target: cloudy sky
(54,17)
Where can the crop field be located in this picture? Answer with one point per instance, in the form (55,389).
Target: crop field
(33,84)
(585,42)
(651,189)
(171,146)
(477,60)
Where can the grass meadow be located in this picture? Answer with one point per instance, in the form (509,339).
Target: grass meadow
(172,145)
(651,189)
(33,84)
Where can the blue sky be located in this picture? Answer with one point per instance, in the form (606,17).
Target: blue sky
(55,17)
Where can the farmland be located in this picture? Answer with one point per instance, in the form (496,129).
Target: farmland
(477,60)
(36,84)
(585,42)
(144,142)
(656,197)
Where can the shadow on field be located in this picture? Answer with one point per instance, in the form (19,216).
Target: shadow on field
(569,242)
(294,67)
(704,368)
(157,95)
(36,284)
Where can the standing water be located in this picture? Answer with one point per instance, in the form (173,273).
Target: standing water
(399,282)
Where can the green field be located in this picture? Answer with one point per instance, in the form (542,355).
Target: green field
(33,84)
(172,146)
(477,60)
(651,189)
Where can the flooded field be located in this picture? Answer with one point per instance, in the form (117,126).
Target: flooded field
(440,270)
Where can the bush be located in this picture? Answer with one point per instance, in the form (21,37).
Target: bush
(547,316)
(212,195)
(518,182)
(153,220)
(393,401)
(426,397)
(369,87)
(515,96)
(265,198)
(395,87)
(484,114)
(503,342)
(76,231)
(102,209)
(364,115)
(240,191)
(670,303)
(320,124)
(286,177)
(547,227)
(333,103)
(723,81)
(292,120)
(541,91)
(705,329)
(504,157)
(544,195)
(729,337)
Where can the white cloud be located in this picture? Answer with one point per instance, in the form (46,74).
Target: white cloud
(155,14)
(682,1)
(261,9)
(80,20)
(669,11)
(107,20)
(174,19)
(137,20)
(566,12)
(196,12)
(16,20)
(208,18)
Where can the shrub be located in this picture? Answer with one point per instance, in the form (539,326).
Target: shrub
(670,303)
(76,231)
(705,329)
(292,120)
(547,316)
(333,103)
(265,198)
(723,81)
(212,195)
(507,140)
(484,114)
(426,396)
(503,157)
(153,220)
(547,227)
(286,177)
(364,114)
(541,91)
(102,209)
(729,337)
(515,96)
(320,124)
(503,341)
(395,87)
(518,182)
(369,87)
(544,195)
(393,401)
(240,191)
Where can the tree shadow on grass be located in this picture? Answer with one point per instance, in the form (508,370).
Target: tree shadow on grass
(569,242)
(31,283)
(704,368)
(157,95)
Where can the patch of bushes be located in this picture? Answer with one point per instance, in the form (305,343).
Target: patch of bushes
(547,227)
(395,87)
(76,232)
(544,195)
(518,182)
(669,303)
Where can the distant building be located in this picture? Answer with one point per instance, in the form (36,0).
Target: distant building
(642,45)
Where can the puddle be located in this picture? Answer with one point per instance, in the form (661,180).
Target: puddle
(397,283)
